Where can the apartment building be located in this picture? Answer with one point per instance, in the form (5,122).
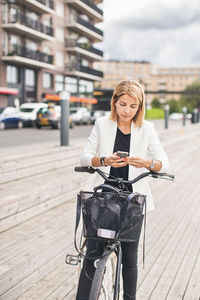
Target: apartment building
(172,80)
(115,71)
(160,82)
(47,46)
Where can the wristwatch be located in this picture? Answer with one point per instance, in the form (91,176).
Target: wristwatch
(102,161)
(152,164)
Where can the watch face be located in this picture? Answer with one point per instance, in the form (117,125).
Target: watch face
(152,164)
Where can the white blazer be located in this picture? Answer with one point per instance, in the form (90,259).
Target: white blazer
(144,141)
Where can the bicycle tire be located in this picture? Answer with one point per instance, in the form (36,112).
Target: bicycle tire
(104,281)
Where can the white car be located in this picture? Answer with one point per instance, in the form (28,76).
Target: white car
(176,116)
(28,112)
(80,115)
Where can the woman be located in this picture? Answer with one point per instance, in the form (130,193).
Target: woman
(126,131)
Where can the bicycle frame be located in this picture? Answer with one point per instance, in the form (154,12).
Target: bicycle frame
(114,246)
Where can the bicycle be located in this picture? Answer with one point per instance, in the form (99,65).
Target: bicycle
(106,280)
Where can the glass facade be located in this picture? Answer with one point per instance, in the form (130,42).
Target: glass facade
(59,83)
(47,81)
(12,74)
(30,77)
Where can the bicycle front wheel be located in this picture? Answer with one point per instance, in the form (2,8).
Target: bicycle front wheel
(103,283)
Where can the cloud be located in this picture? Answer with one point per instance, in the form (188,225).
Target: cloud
(161,16)
(157,32)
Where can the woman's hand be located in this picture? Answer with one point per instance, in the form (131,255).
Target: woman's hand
(115,161)
(138,162)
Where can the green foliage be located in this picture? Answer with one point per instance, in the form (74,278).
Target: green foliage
(174,106)
(154,113)
(156,103)
(192,100)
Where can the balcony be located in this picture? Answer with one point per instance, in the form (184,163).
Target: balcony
(87,7)
(22,24)
(84,49)
(77,70)
(38,6)
(86,28)
(97,1)
(25,56)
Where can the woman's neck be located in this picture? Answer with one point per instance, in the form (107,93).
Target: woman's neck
(125,127)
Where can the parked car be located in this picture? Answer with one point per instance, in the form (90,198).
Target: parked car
(176,116)
(80,115)
(96,114)
(50,116)
(29,111)
(10,118)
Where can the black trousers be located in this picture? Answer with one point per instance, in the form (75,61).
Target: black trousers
(129,269)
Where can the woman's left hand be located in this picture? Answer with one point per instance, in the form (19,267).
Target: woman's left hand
(138,162)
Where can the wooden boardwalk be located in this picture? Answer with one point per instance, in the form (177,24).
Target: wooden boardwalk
(32,253)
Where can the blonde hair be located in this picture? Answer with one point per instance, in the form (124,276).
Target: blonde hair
(133,89)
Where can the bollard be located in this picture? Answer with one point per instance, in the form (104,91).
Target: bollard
(166,109)
(198,116)
(194,115)
(64,123)
(184,110)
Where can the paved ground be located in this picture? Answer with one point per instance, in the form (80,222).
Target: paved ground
(172,242)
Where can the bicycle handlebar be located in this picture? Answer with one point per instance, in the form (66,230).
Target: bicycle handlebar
(153,174)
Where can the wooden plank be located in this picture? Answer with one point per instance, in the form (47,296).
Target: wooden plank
(162,224)
(149,283)
(182,279)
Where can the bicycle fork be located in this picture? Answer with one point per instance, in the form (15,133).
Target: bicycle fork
(118,271)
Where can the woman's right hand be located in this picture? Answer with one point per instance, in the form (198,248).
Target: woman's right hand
(115,161)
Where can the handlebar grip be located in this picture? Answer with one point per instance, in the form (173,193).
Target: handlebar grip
(85,169)
(162,175)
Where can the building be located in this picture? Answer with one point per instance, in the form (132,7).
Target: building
(115,71)
(47,46)
(169,82)
(159,82)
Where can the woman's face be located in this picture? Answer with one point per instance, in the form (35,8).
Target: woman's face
(126,108)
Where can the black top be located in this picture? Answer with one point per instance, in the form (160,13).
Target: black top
(122,143)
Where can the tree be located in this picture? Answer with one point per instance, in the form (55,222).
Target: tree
(174,106)
(156,103)
(192,100)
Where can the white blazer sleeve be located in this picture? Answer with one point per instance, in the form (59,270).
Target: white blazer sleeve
(91,149)
(156,150)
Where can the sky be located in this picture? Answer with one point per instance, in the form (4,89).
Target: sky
(158,31)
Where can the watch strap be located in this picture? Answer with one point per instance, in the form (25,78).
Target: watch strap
(102,161)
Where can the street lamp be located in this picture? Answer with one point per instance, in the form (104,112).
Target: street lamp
(166,109)
(64,123)
(184,110)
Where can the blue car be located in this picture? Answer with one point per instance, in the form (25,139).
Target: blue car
(10,118)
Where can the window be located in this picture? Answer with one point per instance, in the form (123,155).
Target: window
(13,14)
(47,50)
(12,74)
(59,59)
(71,85)
(30,77)
(31,45)
(47,81)
(86,86)
(60,34)
(59,83)
(60,9)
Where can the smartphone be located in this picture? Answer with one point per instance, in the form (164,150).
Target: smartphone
(122,154)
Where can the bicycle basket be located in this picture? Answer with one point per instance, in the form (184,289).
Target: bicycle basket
(112,215)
